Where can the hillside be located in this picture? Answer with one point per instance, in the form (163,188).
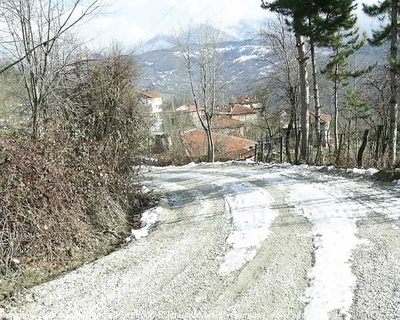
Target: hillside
(162,69)
(243,65)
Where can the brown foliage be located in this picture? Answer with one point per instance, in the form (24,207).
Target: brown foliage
(55,200)
(74,190)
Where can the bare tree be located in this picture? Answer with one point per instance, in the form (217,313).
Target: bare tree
(378,87)
(388,11)
(100,105)
(285,83)
(38,40)
(199,53)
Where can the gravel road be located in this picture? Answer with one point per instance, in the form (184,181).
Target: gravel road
(237,241)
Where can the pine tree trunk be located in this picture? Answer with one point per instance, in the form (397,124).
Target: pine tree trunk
(304,97)
(378,141)
(338,160)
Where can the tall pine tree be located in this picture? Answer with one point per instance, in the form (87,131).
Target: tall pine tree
(390,31)
(317,20)
(292,10)
(325,18)
(344,44)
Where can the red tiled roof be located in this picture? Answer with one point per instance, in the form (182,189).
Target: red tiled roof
(246,99)
(238,109)
(227,147)
(150,94)
(225,122)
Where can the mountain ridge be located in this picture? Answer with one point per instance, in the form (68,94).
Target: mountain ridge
(243,64)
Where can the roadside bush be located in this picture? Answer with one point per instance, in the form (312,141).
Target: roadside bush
(72,193)
(55,201)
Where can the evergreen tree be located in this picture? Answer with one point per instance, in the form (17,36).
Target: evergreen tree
(325,19)
(388,8)
(344,45)
(292,10)
(318,20)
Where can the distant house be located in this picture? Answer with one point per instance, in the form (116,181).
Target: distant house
(220,123)
(186,108)
(325,123)
(249,102)
(191,110)
(226,147)
(242,113)
(224,110)
(238,112)
(153,99)
(228,126)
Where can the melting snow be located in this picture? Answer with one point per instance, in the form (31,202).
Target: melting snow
(249,211)
(331,205)
(334,231)
(149,218)
(251,216)
(369,172)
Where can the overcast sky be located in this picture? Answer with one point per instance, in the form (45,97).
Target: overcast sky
(132,22)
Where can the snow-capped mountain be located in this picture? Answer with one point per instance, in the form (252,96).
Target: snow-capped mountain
(163,71)
(243,68)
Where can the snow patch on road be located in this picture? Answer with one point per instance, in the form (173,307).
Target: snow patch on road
(251,216)
(150,216)
(386,204)
(148,219)
(366,172)
(332,282)
(198,197)
(249,211)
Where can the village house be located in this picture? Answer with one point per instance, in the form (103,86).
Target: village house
(238,112)
(249,102)
(325,126)
(221,124)
(191,110)
(325,123)
(228,126)
(245,114)
(152,99)
(228,129)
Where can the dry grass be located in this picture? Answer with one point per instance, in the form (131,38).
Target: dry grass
(60,205)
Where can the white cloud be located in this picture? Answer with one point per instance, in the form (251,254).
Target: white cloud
(132,22)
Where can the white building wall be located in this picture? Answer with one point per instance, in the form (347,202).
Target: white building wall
(155,104)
